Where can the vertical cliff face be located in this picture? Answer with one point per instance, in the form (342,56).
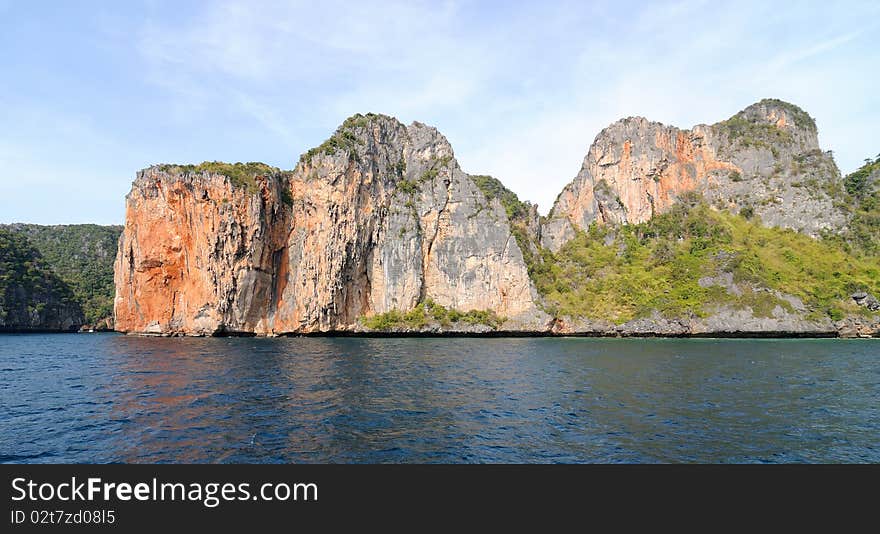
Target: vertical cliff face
(384,218)
(765,160)
(378,218)
(198,253)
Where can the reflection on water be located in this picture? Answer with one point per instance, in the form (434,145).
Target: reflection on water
(111,398)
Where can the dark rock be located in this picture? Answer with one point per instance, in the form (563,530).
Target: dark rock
(867,300)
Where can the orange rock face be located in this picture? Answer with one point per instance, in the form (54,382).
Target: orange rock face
(382,222)
(197,255)
(637,168)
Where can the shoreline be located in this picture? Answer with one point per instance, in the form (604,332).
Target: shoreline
(479,335)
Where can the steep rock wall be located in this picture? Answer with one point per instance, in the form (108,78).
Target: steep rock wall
(765,160)
(378,218)
(198,255)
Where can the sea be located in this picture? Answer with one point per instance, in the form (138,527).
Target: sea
(102,397)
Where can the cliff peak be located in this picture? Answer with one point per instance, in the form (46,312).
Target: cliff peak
(360,120)
(764,160)
(630,120)
(779,113)
(353,134)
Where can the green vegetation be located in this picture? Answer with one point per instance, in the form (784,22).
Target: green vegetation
(429,312)
(286,196)
(492,188)
(411,187)
(358,121)
(82,256)
(657,265)
(408,187)
(749,133)
(29,287)
(343,138)
(859,184)
(861,198)
(428,175)
(434,170)
(239,174)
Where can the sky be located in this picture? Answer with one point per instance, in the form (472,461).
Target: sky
(91,92)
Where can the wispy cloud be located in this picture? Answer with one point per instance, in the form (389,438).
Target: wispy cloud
(520,88)
(788,58)
(265,115)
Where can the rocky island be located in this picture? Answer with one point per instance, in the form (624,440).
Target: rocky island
(743,227)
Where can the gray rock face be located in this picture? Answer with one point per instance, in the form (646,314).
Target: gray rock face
(556,232)
(724,322)
(402,223)
(874,180)
(378,218)
(743,322)
(765,159)
(858,327)
(868,301)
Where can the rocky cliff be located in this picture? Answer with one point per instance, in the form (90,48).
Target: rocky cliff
(663,232)
(764,161)
(200,249)
(379,218)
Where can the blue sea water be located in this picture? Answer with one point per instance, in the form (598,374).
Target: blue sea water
(113,398)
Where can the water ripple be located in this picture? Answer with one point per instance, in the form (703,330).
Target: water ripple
(110,398)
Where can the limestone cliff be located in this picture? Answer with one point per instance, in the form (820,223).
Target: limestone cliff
(199,252)
(379,229)
(378,218)
(763,161)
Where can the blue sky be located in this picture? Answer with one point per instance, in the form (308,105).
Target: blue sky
(90,92)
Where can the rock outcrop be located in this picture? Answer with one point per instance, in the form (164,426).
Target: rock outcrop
(378,218)
(199,252)
(868,301)
(765,160)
